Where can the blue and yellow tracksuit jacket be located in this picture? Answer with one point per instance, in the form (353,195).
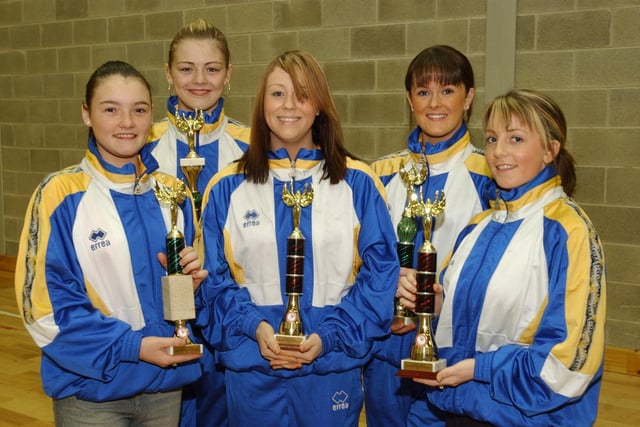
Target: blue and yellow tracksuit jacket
(350,267)
(88,280)
(525,297)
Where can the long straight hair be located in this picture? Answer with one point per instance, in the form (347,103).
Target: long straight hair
(310,83)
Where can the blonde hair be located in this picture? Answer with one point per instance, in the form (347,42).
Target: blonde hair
(200,29)
(541,114)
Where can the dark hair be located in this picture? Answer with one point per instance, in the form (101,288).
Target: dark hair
(200,30)
(108,69)
(442,64)
(542,114)
(309,82)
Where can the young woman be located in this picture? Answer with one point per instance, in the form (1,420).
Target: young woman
(87,277)
(199,72)
(349,266)
(440,88)
(523,319)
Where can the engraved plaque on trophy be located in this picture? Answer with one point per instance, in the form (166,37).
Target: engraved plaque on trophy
(177,288)
(291,331)
(407,230)
(192,163)
(424,362)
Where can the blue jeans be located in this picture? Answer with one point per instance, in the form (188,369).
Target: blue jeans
(149,409)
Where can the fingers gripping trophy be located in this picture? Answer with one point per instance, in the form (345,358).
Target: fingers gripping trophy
(177,289)
(407,230)
(192,163)
(424,362)
(291,331)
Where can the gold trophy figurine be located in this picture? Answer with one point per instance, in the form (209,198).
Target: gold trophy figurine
(192,163)
(424,362)
(177,289)
(291,332)
(407,230)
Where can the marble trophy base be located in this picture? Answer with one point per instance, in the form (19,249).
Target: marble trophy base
(178,306)
(290,342)
(410,368)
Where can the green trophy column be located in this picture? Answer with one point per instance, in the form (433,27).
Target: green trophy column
(177,288)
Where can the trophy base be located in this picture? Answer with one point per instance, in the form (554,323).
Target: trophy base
(419,369)
(403,320)
(290,342)
(187,349)
(177,297)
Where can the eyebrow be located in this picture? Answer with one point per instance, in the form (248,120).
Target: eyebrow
(108,101)
(193,63)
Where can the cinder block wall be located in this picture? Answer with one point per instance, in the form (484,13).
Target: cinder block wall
(585,53)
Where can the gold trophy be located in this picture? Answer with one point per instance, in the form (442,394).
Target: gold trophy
(192,163)
(407,230)
(177,288)
(291,332)
(424,362)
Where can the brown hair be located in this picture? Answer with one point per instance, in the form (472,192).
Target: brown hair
(200,30)
(542,114)
(442,64)
(309,82)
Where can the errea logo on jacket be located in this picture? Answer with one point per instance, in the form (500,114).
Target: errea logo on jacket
(340,401)
(98,237)
(251,218)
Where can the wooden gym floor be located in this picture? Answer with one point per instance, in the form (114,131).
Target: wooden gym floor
(23,403)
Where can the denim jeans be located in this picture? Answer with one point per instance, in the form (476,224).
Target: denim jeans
(149,410)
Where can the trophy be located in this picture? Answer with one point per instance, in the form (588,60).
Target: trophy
(192,163)
(177,288)
(424,362)
(291,331)
(407,230)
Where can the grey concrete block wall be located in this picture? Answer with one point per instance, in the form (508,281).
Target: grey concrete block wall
(585,53)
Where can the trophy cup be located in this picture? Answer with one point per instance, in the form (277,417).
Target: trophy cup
(407,230)
(177,288)
(424,362)
(291,331)
(192,163)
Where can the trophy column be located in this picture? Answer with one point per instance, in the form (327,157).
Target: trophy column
(407,231)
(177,289)
(192,163)
(291,331)
(424,362)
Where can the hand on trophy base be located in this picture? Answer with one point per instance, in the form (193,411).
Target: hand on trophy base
(290,342)
(401,322)
(410,368)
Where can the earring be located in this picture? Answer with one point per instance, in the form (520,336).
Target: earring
(88,123)
(227,87)
(171,90)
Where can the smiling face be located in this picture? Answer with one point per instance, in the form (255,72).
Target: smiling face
(439,109)
(120,116)
(515,152)
(289,115)
(199,72)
